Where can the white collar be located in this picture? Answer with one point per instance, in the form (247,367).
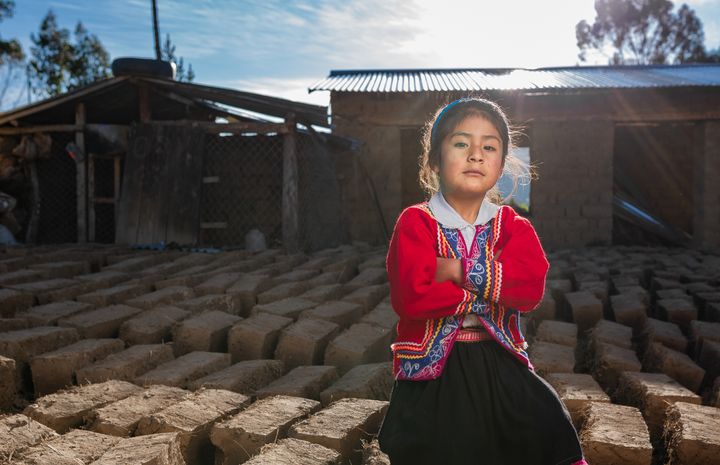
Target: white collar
(449,218)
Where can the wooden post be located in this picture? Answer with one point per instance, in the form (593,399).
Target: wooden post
(91,196)
(81,174)
(290,202)
(145,112)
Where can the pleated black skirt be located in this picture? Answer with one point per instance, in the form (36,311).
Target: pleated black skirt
(486,408)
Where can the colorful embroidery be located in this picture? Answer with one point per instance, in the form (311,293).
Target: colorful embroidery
(425,360)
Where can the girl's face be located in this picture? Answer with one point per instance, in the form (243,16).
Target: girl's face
(471,160)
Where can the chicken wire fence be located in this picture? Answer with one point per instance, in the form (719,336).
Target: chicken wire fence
(243,190)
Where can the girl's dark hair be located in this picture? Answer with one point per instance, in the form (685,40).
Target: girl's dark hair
(446,119)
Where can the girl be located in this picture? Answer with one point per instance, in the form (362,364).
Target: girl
(461,269)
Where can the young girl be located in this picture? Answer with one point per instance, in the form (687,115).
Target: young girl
(461,270)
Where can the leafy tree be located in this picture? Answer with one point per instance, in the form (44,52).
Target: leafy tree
(642,32)
(168,54)
(10,50)
(58,65)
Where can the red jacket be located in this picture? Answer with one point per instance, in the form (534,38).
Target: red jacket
(431,313)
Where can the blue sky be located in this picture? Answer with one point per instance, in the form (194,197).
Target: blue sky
(283,47)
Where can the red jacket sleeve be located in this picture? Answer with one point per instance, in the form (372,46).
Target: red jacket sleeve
(411,265)
(516,279)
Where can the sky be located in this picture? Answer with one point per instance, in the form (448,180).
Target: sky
(283,47)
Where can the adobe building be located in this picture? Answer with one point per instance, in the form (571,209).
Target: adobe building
(625,154)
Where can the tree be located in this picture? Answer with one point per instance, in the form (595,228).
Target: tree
(58,65)
(11,52)
(642,32)
(168,54)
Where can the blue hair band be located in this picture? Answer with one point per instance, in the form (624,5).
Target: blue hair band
(442,114)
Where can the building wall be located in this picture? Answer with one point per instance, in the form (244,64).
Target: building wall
(707,185)
(571,201)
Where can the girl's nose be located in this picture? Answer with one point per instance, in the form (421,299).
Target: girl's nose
(476,153)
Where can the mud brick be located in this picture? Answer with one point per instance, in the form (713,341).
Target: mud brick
(13,324)
(76,447)
(7,383)
(295,275)
(610,362)
(368,277)
(247,288)
(289,308)
(676,293)
(701,331)
(547,310)
(576,390)
(193,419)
(20,276)
(676,365)
(66,293)
(243,377)
(368,296)
(327,278)
(382,315)
(205,332)
(712,312)
(213,302)
(282,292)
(624,280)
(370,381)
(324,293)
(63,269)
(100,323)
(342,425)
(25,344)
(121,418)
(19,432)
(346,268)
(558,288)
(585,308)
(218,284)
(12,302)
(50,314)
(256,337)
(137,263)
(360,344)
(241,436)
(316,263)
(42,288)
(114,295)
(557,332)
(597,288)
(184,370)
(295,452)
(628,310)
(548,357)
(678,311)
(694,288)
(657,284)
(188,278)
(153,326)
(126,365)
(304,381)
(55,370)
(67,409)
(664,332)
(304,342)
(715,393)
(341,313)
(612,333)
(161,271)
(166,296)
(374,261)
(692,434)
(652,393)
(709,358)
(154,449)
(612,431)
(636,291)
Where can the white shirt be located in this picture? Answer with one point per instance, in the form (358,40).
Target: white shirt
(449,218)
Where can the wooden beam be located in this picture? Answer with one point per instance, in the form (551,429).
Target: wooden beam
(81,175)
(10,131)
(145,112)
(290,200)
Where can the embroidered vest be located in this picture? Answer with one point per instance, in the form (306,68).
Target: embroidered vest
(426,359)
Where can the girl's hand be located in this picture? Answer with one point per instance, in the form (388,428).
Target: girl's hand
(449,269)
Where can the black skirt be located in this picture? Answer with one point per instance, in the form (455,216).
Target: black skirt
(486,408)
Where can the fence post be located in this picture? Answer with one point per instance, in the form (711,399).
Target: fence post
(81,174)
(290,200)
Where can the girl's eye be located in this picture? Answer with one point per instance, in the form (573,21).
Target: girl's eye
(489,148)
(460,145)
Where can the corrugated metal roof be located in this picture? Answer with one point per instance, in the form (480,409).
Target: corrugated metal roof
(578,77)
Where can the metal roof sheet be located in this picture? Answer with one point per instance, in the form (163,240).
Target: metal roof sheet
(578,77)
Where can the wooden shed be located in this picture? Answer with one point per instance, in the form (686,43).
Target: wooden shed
(148,160)
(625,154)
